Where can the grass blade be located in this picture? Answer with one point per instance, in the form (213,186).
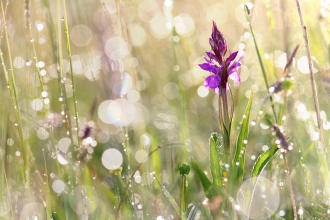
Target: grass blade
(239,158)
(171,200)
(263,160)
(215,144)
(206,183)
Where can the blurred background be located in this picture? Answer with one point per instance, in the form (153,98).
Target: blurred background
(100,84)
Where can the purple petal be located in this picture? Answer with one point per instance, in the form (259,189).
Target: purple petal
(222,47)
(231,57)
(208,61)
(235,65)
(209,67)
(211,55)
(235,77)
(212,44)
(212,81)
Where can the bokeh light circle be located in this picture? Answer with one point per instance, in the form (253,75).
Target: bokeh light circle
(171,90)
(112,159)
(147,9)
(18,62)
(80,35)
(133,95)
(42,133)
(37,104)
(258,198)
(303,65)
(137,34)
(62,160)
(64,144)
(217,13)
(119,112)
(184,25)
(141,156)
(58,186)
(158,26)
(33,210)
(117,48)
(202,91)
(162,121)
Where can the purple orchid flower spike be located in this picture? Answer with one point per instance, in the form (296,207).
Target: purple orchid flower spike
(220,67)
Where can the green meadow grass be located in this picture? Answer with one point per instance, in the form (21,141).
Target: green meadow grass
(104,114)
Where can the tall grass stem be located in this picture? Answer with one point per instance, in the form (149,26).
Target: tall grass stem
(67,39)
(14,93)
(260,62)
(310,65)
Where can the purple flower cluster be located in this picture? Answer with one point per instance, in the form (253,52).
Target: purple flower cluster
(221,68)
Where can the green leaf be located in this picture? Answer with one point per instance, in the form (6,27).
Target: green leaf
(215,160)
(206,183)
(263,160)
(237,166)
(171,200)
(210,191)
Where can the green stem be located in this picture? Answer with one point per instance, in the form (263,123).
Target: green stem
(67,39)
(314,89)
(48,195)
(36,59)
(225,120)
(183,196)
(14,93)
(261,63)
(60,72)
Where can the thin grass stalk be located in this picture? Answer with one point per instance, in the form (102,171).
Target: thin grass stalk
(67,39)
(48,195)
(293,201)
(4,175)
(314,89)
(286,167)
(14,93)
(135,170)
(260,61)
(58,56)
(183,202)
(9,86)
(60,73)
(36,58)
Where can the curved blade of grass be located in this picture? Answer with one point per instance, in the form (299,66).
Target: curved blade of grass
(263,160)
(239,158)
(206,183)
(210,191)
(171,200)
(215,144)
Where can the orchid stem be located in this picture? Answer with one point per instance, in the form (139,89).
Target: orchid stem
(224,119)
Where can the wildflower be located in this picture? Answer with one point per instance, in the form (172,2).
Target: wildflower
(221,68)
(281,140)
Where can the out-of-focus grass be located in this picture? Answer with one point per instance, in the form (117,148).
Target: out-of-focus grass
(137,60)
